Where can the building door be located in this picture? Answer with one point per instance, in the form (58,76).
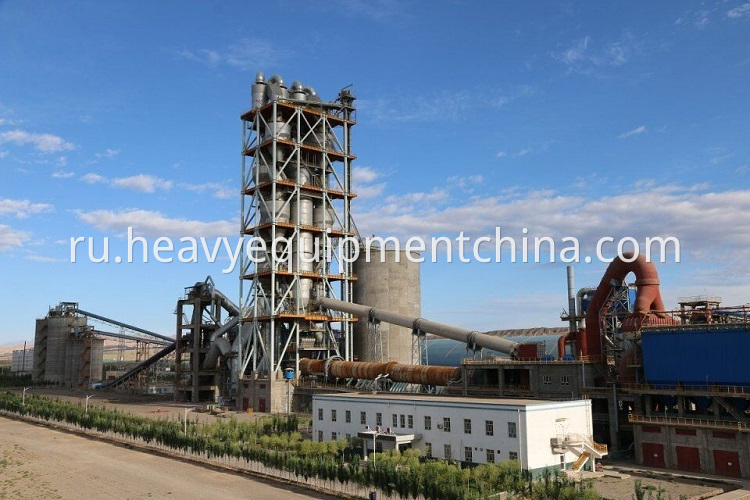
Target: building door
(653,454)
(727,463)
(262,405)
(688,458)
(245,403)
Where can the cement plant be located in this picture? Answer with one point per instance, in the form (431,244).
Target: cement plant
(343,342)
(314,373)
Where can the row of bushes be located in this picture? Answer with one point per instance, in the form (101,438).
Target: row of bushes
(276,442)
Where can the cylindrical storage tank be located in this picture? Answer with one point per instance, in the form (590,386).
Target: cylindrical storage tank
(282,209)
(259,95)
(393,286)
(58,338)
(283,129)
(305,174)
(97,360)
(305,214)
(324,217)
(298,91)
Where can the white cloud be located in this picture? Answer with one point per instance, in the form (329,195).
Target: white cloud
(370,191)
(440,105)
(143,183)
(514,154)
(708,224)
(45,143)
(61,174)
(22,208)
(220,190)
(92,178)
(108,153)
(12,238)
(583,56)
(636,131)
(35,257)
(740,11)
(412,198)
(364,179)
(247,54)
(149,223)
(467,183)
(365,175)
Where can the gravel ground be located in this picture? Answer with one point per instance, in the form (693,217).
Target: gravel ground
(37,462)
(673,487)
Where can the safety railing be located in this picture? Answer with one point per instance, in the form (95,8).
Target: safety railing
(689,422)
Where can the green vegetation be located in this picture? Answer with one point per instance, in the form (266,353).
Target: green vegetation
(276,442)
(8,379)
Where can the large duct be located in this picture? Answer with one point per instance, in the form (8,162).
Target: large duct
(648,309)
(396,372)
(469,337)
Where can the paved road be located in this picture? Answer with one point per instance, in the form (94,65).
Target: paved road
(37,462)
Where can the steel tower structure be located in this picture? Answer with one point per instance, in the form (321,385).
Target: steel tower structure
(296,217)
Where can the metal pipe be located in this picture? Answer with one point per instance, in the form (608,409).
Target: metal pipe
(124,325)
(130,337)
(572,313)
(649,307)
(469,337)
(397,372)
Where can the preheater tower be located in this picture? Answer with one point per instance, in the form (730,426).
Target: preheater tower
(296,207)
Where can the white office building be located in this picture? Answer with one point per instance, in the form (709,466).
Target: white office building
(540,434)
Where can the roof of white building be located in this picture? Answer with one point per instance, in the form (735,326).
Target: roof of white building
(442,400)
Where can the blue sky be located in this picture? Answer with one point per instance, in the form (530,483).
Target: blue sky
(583,119)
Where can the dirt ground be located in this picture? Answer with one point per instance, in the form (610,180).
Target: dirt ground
(159,407)
(37,462)
(617,488)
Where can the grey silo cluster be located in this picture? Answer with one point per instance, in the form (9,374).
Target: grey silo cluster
(63,354)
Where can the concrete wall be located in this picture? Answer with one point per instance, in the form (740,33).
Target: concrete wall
(22,361)
(535,424)
(390,285)
(705,440)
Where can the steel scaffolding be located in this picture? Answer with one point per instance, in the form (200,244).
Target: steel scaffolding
(295,218)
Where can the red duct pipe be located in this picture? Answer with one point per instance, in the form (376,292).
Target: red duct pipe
(648,309)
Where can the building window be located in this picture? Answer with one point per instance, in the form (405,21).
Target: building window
(363,418)
(512,455)
(446,424)
(348,416)
(512,430)
(333,415)
(467,453)
(320,413)
(565,380)
(410,421)
(490,456)
(428,423)
(334,436)
(447,452)
(467,426)
(428,450)
(348,437)
(489,427)
(403,420)
(320,436)
(547,379)
(379,419)
(395,420)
